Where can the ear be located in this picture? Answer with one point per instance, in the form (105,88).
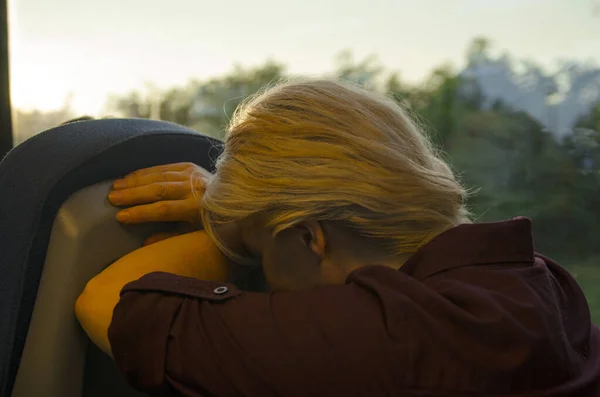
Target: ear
(313,236)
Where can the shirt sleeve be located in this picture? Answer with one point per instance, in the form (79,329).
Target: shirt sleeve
(173,335)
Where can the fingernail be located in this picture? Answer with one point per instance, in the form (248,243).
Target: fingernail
(123,216)
(119,184)
(114,196)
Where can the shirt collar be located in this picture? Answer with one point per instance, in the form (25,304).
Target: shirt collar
(473,244)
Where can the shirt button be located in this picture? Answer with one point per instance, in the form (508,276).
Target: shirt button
(221,290)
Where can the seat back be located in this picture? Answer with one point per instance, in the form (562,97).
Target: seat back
(57,230)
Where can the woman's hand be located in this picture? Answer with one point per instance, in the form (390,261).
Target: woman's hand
(165,193)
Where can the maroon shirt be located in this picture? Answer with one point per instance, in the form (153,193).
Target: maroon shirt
(474,312)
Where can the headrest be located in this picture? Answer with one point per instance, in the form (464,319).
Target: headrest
(37,177)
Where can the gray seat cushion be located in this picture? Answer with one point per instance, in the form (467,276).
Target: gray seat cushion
(36,179)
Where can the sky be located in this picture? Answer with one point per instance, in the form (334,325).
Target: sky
(86,50)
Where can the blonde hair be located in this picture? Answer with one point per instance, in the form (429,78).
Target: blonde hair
(331,151)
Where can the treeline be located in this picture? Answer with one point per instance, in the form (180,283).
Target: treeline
(496,120)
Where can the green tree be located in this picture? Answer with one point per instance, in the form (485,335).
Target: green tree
(206,106)
(478,51)
(364,72)
(30,122)
(591,120)
(443,106)
(216,100)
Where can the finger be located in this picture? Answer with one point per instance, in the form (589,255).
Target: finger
(155,238)
(133,180)
(199,180)
(175,167)
(163,211)
(150,193)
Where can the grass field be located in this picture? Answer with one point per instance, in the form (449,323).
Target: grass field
(587,275)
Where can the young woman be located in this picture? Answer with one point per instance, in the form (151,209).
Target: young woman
(380,285)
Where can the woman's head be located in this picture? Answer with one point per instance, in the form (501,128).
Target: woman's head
(338,170)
